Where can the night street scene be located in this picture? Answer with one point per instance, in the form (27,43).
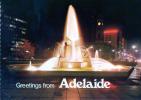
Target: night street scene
(92,45)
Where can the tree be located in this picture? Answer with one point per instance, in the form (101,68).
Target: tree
(26,50)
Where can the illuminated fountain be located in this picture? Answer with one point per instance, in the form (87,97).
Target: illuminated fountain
(70,51)
(71,56)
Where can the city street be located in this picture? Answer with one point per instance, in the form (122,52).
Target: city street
(137,72)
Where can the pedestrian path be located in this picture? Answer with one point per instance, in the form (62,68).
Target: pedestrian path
(136,74)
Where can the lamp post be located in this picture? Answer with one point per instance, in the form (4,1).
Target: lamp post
(134,47)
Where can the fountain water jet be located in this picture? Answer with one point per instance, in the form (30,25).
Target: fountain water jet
(100,64)
(72,36)
(96,54)
(31,68)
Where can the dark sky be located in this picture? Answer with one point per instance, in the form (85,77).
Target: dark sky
(46,18)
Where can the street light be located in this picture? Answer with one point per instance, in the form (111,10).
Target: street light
(134,46)
(113,50)
(91,47)
(27,51)
(136,51)
(100,50)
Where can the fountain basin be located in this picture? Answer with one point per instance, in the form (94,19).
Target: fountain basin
(19,70)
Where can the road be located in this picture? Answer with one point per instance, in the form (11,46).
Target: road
(136,74)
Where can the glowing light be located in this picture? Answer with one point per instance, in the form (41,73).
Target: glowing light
(134,46)
(103,65)
(49,64)
(96,54)
(99,23)
(69,65)
(31,68)
(72,25)
(139,60)
(73,56)
(113,50)
(111,31)
(136,51)
(83,64)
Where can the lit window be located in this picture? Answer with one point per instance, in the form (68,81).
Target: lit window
(19,20)
(23,32)
(13,26)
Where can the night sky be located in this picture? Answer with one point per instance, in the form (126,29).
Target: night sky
(46,18)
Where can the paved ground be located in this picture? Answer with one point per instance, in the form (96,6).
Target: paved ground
(130,92)
(121,90)
(136,74)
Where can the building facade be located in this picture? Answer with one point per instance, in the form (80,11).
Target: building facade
(114,37)
(14,32)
